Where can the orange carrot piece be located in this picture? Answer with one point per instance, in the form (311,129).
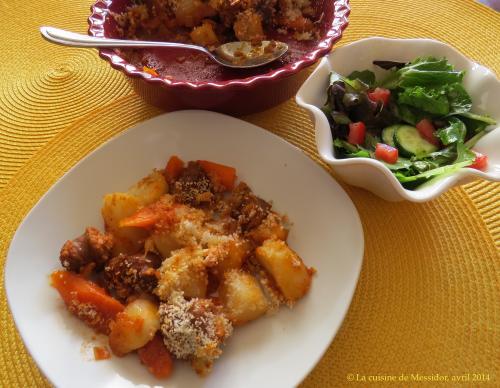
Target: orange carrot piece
(143,218)
(101,353)
(174,168)
(86,300)
(225,174)
(156,357)
(149,70)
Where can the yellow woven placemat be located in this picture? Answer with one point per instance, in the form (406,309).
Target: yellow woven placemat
(428,299)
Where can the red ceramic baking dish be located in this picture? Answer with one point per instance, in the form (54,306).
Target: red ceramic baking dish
(196,83)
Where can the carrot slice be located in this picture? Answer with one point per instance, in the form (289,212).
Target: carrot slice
(143,218)
(156,357)
(86,300)
(101,353)
(225,174)
(174,168)
(150,70)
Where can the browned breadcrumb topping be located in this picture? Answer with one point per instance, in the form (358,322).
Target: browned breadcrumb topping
(193,187)
(274,297)
(88,313)
(210,23)
(192,233)
(194,329)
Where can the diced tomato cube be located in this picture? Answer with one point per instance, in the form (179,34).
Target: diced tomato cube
(481,161)
(426,130)
(386,153)
(380,94)
(357,132)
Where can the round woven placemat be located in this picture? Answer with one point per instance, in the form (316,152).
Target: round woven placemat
(428,297)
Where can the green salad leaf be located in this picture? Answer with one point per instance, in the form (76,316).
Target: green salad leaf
(349,150)
(366,76)
(335,77)
(474,139)
(340,117)
(441,157)
(459,100)
(431,173)
(424,71)
(476,123)
(482,118)
(453,133)
(354,84)
(464,154)
(431,100)
(409,114)
(430,63)
(401,164)
(371,141)
(426,88)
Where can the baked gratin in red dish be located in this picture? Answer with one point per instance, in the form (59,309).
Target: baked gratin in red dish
(211,23)
(187,255)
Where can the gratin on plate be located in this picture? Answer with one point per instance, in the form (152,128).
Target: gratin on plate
(186,256)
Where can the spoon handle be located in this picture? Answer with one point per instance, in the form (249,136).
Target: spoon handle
(68,38)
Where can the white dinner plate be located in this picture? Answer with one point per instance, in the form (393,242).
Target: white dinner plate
(275,351)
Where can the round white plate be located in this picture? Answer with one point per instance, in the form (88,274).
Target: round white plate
(275,351)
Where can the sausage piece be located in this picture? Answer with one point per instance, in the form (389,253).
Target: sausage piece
(92,247)
(248,209)
(193,187)
(126,275)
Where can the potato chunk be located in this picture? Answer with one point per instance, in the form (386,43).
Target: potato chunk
(184,271)
(286,268)
(242,297)
(116,207)
(233,253)
(204,35)
(165,243)
(184,228)
(150,188)
(134,327)
(248,26)
(190,13)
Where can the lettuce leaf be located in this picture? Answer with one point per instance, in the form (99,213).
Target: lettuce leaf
(459,100)
(423,71)
(409,114)
(450,168)
(366,76)
(475,123)
(431,100)
(453,133)
(348,150)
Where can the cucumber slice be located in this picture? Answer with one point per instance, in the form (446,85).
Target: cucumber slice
(388,135)
(409,142)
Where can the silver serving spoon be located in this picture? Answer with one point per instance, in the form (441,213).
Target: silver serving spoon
(237,55)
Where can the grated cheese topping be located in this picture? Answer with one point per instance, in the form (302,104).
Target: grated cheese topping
(193,329)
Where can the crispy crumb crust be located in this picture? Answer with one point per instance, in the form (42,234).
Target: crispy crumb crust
(212,22)
(194,330)
(211,258)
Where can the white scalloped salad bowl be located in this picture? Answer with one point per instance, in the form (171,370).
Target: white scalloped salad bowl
(370,174)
